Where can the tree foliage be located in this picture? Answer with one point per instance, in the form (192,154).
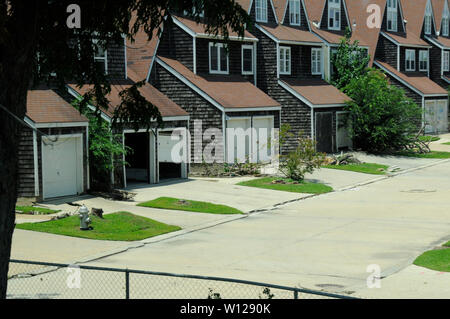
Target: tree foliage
(382,117)
(350,61)
(36,46)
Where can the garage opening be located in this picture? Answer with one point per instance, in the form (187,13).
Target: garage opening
(137,157)
(168,169)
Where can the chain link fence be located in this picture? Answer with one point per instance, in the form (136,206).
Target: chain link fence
(39,280)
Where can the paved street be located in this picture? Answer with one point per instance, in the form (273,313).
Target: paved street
(323,242)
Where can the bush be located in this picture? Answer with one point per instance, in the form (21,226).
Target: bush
(304,159)
(383,118)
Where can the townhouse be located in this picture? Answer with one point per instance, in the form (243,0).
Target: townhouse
(54,147)
(215,82)
(276,74)
(291,70)
(404,55)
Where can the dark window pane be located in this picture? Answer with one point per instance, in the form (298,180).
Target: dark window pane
(213,55)
(223,60)
(248,60)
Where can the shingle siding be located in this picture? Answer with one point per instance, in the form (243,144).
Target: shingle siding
(234,54)
(197,107)
(26,178)
(116,60)
(177,44)
(271,20)
(386,51)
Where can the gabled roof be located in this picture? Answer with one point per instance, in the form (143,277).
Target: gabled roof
(199,30)
(166,106)
(314,9)
(280,8)
(438,11)
(414,13)
(229,92)
(315,92)
(286,33)
(44,105)
(140,54)
(419,83)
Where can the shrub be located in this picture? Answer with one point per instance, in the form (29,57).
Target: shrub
(382,117)
(304,159)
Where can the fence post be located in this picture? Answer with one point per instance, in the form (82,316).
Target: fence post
(127,284)
(295,294)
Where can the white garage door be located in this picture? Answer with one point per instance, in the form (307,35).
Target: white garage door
(238,140)
(262,139)
(166,145)
(61,171)
(436,116)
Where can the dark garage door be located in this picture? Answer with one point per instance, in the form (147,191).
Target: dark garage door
(324,132)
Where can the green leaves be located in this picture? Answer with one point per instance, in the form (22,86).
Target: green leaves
(382,116)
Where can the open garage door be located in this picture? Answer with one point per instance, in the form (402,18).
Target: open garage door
(324,132)
(137,157)
(62,166)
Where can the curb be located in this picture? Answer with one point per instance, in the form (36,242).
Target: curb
(246,215)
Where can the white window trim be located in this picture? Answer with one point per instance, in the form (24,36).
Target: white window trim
(420,60)
(104,59)
(286,72)
(312,61)
(446,58)
(218,71)
(292,12)
(406,60)
(334,6)
(263,6)
(393,12)
(428,17)
(247,47)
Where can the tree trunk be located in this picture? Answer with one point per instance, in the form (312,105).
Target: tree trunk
(17,51)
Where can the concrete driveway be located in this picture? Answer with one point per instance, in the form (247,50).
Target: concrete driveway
(325,242)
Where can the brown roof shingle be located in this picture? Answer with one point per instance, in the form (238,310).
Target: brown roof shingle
(418,81)
(285,33)
(140,54)
(230,91)
(166,106)
(318,92)
(44,105)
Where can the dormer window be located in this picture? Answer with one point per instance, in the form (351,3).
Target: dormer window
(261,10)
(334,14)
(294,12)
(218,58)
(445,20)
(428,18)
(101,57)
(392,15)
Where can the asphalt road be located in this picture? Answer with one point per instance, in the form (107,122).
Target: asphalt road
(326,242)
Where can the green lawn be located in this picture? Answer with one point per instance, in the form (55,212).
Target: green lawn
(30,209)
(190,206)
(432,154)
(301,187)
(429,138)
(122,226)
(367,168)
(438,259)
(448,143)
